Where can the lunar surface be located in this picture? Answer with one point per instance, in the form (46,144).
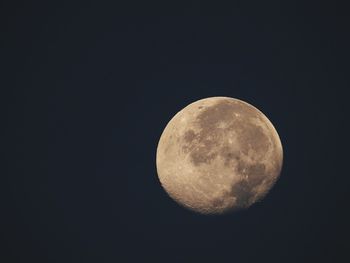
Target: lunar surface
(218,155)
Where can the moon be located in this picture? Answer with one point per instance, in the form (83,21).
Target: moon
(218,155)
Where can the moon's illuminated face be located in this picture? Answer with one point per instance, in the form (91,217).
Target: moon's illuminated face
(218,155)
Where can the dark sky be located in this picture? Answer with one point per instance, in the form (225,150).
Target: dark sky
(92,86)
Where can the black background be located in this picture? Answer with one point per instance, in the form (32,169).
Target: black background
(92,86)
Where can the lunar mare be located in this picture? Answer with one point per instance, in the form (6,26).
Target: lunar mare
(218,155)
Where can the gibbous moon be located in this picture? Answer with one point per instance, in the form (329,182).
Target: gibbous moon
(218,155)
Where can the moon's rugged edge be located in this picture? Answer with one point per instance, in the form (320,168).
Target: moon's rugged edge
(218,155)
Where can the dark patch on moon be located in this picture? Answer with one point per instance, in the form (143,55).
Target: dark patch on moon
(201,146)
(211,135)
(200,155)
(229,154)
(189,136)
(243,189)
(254,172)
(222,111)
(252,135)
(243,194)
(254,175)
(218,202)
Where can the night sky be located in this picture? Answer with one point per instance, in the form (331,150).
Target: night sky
(93,84)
